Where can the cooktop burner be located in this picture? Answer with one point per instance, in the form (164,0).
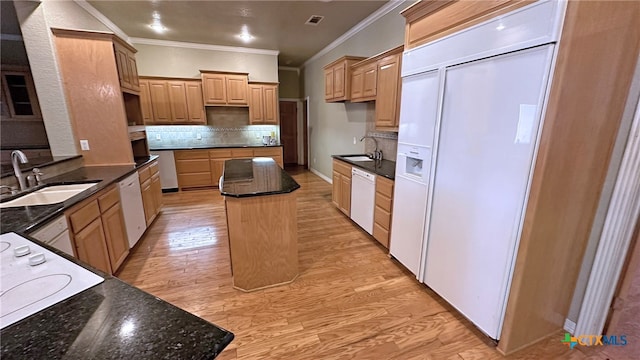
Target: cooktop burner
(33,278)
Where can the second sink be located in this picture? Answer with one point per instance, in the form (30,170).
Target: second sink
(48,195)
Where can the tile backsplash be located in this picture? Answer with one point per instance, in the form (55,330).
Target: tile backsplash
(225,126)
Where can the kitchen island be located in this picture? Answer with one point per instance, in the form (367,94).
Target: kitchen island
(261,215)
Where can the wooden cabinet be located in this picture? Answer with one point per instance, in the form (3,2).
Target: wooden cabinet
(225,89)
(19,99)
(337,79)
(151,188)
(193,168)
(172,101)
(217,157)
(364,81)
(388,93)
(341,194)
(272,152)
(382,211)
(98,230)
(127,66)
(263,104)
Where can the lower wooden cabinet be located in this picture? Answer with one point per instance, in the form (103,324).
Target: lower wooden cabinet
(151,189)
(382,211)
(341,194)
(98,230)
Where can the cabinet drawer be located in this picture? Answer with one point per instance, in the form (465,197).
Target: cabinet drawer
(84,216)
(192,166)
(144,174)
(194,180)
(382,218)
(154,168)
(268,152)
(242,153)
(383,202)
(384,186)
(220,153)
(191,154)
(110,198)
(342,168)
(381,235)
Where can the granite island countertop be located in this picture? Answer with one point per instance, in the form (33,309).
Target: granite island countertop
(25,219)
(386,168)
(255,177)
(112,320)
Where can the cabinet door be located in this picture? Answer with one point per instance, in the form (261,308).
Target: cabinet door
(345,190)
(91,246)
(145,102)
(369,80)
(132,68)
(217,169)
(123,66)
(237,88)
(387,92)
(328,84)
(195,106)
(214,89)
(357,83)
(156,191)
(147,201)
(160,102)
(339,80)
(336,194)
(256,102)
(178,101)
(270,97)
(115,236)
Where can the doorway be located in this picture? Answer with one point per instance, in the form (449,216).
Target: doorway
(289,131)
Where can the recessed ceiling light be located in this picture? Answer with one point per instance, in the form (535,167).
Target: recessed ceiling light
(156,25)
(245,35)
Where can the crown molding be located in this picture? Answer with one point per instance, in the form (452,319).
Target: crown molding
(103,19)
(10,37)
(382,11)
(188,45)
(289,68)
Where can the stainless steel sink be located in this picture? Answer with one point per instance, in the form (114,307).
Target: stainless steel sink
(358,158)
(48,195)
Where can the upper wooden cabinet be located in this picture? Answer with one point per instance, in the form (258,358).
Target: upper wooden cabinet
(388,91)
(263,103)
(337,79)
(364,78)
(19,100)
(430,20)
(127,66)
(225,89)
(171,101)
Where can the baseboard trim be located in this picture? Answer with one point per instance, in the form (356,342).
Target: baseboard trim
(321,175)
(570,326)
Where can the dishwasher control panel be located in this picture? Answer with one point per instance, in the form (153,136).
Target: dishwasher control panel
(369,176)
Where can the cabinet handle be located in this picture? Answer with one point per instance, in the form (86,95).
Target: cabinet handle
(386,66)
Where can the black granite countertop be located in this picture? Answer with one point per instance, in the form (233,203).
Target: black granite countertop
(7,169)
(255,177)
(206,146)
(386,168)
(112,320)
(25,219)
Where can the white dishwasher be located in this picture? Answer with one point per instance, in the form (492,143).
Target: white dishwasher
(56,234)
(363,193)
(132,208)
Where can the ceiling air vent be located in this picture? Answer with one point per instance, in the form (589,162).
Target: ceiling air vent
(314,20)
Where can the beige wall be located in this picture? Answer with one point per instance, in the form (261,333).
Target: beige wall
(13,53)
(333,126)
(157,60)
(36,19)
(289,84)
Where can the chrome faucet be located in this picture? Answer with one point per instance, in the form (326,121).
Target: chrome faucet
(377,154)
(19,156)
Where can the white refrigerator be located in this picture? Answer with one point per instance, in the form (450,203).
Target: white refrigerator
(490,94)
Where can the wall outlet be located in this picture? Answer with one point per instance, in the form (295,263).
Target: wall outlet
(158,137)
(198,136)
(84,145)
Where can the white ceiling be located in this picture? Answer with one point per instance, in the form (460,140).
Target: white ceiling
(275,25)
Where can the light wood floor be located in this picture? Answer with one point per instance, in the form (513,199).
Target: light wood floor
(350,301)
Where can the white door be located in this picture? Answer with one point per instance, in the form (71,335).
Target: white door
(488,134)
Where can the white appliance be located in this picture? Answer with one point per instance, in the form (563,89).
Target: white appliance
(26,289)
(491,91)
(56,234)
(167,167)
(132,208)
(363,193)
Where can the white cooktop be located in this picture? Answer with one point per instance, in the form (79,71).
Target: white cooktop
(27,289)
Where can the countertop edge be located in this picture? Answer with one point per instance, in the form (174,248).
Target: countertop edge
(361,165)
(208,147)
